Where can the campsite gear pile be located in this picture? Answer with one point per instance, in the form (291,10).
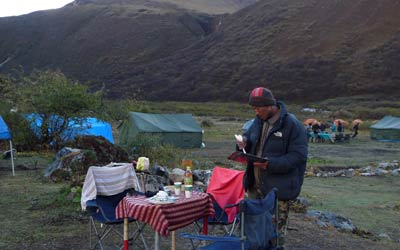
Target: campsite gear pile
(87,151)
(143,164)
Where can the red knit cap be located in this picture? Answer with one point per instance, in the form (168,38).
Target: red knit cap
(261,97)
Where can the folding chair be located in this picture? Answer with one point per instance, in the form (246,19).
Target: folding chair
(257,230)
(103,189)
(225,188)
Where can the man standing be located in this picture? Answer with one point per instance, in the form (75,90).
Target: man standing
(278,136)
(355,129)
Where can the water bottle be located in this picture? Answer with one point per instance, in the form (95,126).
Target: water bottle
(188,177)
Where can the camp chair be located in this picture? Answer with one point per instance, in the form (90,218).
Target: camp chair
(257,230)
(103,189)
(225,188)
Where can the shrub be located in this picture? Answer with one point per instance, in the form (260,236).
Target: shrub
(207,123)
(55,100)
(151,146)
(144,145)
(344,114)
(23,137)
(166,155)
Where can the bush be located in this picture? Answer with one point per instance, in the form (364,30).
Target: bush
(151,146)
(376,113)
(207,123)
(343,114)
(23,137)
(166,155)
(55,100)
(144,145)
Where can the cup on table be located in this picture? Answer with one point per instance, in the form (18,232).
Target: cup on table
(177,187)
(188,191)
(167,190)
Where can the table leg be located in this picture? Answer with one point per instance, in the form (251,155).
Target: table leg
(157,241)
(126,233)
(173,243)
(205,225)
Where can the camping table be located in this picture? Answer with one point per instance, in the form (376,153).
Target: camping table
(165,218)
(325,136)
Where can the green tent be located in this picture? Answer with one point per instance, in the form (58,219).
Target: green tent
(180,130)
(386,129)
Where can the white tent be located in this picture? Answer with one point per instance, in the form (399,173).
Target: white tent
(6,135)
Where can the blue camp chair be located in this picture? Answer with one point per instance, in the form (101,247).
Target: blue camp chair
(102,211)
(257,230)
(221,219)
(103,189)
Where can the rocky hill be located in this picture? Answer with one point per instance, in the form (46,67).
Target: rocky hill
(196,51)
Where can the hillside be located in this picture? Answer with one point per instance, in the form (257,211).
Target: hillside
(304,50)
(180,50)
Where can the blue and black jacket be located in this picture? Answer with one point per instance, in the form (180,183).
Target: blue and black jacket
(286,149)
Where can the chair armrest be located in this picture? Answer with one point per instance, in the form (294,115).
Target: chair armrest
(210,237)
(91,204)
(94,209)
(231,205)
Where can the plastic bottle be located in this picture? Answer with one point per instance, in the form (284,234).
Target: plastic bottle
(188,176)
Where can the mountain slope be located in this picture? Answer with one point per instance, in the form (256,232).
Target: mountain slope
(304,50)
(87,41)
(169,50)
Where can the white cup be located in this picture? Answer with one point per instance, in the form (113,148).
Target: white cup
(188,191)
(177,188)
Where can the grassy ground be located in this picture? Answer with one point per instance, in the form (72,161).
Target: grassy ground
(34,217)
(360,152)
(372,203)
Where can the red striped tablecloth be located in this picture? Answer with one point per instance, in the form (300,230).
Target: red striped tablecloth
(167,217)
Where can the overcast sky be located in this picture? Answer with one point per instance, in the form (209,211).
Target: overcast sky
(20,7)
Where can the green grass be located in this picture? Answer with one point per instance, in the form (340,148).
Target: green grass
(29,213)
(117,110)
(359,152)
(370,202)
(30,217)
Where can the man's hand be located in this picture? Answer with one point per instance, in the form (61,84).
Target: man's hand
(241,141)
(262,165)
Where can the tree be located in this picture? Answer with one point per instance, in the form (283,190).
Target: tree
(6,87)
(56,101)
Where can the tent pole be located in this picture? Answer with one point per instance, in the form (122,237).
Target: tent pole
(12,158)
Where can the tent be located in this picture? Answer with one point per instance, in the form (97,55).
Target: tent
(180,130)
(6,135)
(386,129)
(80,126)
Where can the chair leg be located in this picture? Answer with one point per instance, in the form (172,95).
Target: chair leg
(234,225)
(139,233)
(99,235)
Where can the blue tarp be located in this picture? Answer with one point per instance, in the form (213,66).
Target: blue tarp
(4,131)
(93,126)
(86,126)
